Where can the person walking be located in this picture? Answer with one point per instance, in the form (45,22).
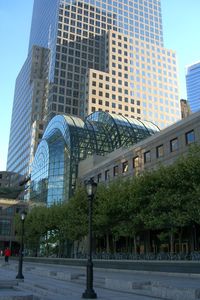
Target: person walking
(7,254)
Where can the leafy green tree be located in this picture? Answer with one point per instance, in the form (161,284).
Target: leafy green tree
(76,219)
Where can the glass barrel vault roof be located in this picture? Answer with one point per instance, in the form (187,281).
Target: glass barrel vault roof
(69,140)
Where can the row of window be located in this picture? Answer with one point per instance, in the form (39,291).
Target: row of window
(107,95)
(66,109)
(125,100)
(115,105)
(174,146)
(145,7)
(143,45)
(189,139)
(117,8)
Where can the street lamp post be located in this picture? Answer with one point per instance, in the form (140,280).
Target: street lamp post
(20,275)
(89,292)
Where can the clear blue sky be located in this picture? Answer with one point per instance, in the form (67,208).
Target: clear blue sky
(181,33)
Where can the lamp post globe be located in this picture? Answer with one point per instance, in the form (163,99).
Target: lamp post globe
(20,265)
(89,293)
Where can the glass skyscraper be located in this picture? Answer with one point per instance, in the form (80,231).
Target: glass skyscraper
(97,56)
(193,86)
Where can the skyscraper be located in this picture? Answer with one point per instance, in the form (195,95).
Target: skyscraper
(99,55)
(193,86)
(29,109)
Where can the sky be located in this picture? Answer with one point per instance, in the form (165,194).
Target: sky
(181,28)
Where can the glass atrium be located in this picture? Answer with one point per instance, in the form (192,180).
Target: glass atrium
(68,139)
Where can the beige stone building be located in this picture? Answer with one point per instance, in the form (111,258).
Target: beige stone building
(140,82)
(162,148)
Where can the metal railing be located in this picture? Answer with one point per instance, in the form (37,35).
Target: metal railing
(192,256)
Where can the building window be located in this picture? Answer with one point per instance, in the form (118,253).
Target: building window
(99,177)
(107,175)
(135,162)
(189,137)
(160,151)
(125,167)
(147,157)
(174,145)
(4,227)
(115,170)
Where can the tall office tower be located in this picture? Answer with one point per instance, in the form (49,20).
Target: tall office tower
(193,86)
(81,41)
(29,109)
(140,81)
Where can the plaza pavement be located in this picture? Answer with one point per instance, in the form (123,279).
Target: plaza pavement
(58,282)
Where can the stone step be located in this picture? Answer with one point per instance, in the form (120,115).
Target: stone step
(167,291)
(154,289)
(120,284)
(8,283)
(54,274)
(42,291)
(97,281)
(14,294)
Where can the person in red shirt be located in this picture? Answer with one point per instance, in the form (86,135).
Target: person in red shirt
(7,254)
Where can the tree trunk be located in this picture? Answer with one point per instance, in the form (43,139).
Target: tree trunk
(135,244)
(114,245)
(147,242)
(180,240)
(126,239)
(107,243)
(171,242)
(195,238)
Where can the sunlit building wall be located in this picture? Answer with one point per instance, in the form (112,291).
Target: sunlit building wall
(141,81)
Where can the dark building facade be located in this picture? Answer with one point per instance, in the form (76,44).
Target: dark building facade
(8,210)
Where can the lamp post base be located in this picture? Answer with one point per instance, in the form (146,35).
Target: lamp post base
(19,276)
(89,294)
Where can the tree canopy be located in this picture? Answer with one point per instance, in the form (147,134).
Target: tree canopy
(165,200)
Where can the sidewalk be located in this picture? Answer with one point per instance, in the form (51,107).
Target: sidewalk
(57,282)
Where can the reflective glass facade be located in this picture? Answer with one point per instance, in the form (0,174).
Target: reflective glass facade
(67,140)
(29,109)
(75,31)
(20,125)
(193,86)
